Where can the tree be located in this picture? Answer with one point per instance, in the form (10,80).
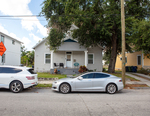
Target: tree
(141,31)
(27,57)
(99,22)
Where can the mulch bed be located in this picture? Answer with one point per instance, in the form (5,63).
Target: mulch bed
(132,86)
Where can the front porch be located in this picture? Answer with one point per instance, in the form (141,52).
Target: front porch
(66,71)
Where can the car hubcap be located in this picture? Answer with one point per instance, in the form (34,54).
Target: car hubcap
(16,87)
(64,88)
(111,88)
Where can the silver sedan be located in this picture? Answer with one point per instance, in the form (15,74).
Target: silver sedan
(92,81)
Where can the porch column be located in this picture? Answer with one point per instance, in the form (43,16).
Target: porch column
(52,62)
(86,58)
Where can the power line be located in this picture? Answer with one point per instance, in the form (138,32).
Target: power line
(21,15)
(20,19)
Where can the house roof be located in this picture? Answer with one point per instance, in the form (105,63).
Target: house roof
(69,40)
(38,43)
(11,37)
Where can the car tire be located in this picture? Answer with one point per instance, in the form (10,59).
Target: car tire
(16,86)
(111,88)
(64,88)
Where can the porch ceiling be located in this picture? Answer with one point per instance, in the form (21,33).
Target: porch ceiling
(71,46)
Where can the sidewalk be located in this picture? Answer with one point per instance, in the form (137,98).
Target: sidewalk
(147,82)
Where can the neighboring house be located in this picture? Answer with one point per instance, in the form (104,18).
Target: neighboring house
(68,53)
(133,59)
(12,55)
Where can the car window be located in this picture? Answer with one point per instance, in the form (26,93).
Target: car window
(31,71)
(100,75)
(88,76)
(9,70)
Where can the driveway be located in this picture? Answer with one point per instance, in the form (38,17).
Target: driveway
(44,102)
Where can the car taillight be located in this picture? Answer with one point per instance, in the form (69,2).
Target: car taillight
(120,80)
(30,77)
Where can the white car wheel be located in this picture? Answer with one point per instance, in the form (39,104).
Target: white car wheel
(16,86)
(111,88)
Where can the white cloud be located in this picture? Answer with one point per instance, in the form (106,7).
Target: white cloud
(36,38)
(26,41)
(20,7)
(3,30)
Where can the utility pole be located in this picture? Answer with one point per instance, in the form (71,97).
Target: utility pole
(123,41)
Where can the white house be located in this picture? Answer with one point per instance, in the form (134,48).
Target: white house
(69,53)
(12,55)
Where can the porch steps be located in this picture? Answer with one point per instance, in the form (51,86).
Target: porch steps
(66,71)
(69,72)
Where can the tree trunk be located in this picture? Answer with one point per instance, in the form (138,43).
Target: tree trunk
(112,62)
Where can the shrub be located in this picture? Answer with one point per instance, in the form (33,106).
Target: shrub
(82,69)
(55,71)
(104,69)
(144,71)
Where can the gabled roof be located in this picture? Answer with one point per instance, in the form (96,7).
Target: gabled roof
(69,40)
(11,37)
(38,43)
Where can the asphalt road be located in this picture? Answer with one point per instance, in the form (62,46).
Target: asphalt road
(44,102)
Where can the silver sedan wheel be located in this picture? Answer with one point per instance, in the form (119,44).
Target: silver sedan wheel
(64,88)
(16,87)
(111,88)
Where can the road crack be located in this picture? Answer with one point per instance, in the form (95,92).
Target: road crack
(85,105)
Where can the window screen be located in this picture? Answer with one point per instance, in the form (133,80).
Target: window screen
(90,58)
(47,58)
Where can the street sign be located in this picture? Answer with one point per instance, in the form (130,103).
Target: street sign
(2,48)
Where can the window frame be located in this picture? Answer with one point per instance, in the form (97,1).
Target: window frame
(13,42)
(93,57)
(138,60)
(47,58)
(3,38)
(125,59)
(3,56)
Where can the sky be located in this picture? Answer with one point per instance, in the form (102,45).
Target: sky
(29,30)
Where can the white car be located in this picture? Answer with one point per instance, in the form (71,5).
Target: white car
(92,81)
(17,78)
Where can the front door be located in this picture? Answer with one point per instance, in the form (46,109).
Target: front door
(68,60)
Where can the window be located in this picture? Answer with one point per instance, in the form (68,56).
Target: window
(125,59)
(32,71)
(13,42)
(3,58)
(88,76)
(9,70)
(139,60)
(90,59)
(47,58)
(2,38)
(99,75)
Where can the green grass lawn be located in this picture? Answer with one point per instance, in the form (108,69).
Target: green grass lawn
(48,75)
(44,85)
(120,75)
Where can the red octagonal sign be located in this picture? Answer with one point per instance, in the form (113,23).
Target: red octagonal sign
(2,48)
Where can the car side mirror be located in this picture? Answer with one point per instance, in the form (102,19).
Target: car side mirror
(80,78)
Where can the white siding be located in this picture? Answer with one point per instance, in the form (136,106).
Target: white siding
(60,57)
(97,58)
(39,60)
(13,51)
